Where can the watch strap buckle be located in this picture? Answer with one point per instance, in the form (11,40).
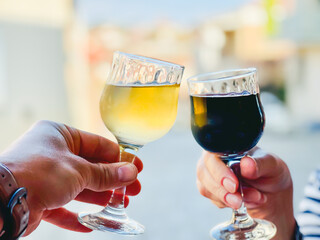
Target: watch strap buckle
(16,198)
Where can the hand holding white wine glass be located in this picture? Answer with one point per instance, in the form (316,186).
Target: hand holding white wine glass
(138,105)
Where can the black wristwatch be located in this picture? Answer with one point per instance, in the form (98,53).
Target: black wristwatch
(13,205)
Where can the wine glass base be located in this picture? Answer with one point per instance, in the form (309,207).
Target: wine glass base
(260,230)
(99,221)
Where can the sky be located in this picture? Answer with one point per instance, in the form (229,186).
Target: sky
(129,12)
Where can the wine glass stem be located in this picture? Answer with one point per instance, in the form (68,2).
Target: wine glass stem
(117,199)
(240,215)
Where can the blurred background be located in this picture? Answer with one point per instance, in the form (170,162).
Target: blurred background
(54,60)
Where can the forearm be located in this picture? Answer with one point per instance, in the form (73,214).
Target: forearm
(14,210)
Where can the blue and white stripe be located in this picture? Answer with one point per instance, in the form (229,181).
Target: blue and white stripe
(309,217)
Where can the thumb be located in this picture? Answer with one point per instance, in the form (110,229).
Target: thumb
(110,176)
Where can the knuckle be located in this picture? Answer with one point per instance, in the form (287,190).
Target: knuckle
(276,161)
(205,158)
(43,122)
(105,176)
(272,157)
(82,168)
(99,176)
(204,192)
(46,123)
(200,174)
(219,204)
(221,194)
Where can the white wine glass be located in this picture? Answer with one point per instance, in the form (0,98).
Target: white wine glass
(138,105)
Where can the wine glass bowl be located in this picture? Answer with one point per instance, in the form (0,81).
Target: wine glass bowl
(131,113)
(138,105)
(228,124)
(227,118)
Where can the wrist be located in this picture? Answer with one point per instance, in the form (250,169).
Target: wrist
(283,215)
(14,209)
(297,234)
(279,210)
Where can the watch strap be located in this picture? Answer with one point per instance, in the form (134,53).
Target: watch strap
(14,204)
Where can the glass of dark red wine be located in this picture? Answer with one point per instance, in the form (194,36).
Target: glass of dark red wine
(227,118)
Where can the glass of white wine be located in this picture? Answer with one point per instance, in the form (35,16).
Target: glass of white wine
(138,105)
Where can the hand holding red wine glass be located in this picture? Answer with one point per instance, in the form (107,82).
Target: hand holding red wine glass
(227,118)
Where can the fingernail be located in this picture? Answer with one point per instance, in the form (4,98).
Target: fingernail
(252,196)
(233,200)
(127,172)
(256,165)
(263,198)
(229,185)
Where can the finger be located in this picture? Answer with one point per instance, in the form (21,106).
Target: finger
(138,163)
(218,194)
(134,188)
(206,179)
(208,194)
(265,172)
(260,164)
(220,172)
(63,218)
(97,198)
(252,195)
(233,200)
(130,158)
(253,199)
(104,177)
(93,147)
(251,206)
(98,149)
(221,198)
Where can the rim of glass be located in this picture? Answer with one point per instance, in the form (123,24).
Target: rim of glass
(246,72)
(150,59)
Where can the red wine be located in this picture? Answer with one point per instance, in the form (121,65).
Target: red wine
(227,124)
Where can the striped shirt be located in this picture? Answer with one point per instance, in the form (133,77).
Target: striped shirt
(309,217)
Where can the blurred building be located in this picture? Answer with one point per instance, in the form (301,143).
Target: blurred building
(303,71)
(32,57)
(54,65)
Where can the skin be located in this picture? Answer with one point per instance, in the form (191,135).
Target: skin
(268,190)
(58,164)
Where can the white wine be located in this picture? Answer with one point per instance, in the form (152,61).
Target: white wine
(139,114)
